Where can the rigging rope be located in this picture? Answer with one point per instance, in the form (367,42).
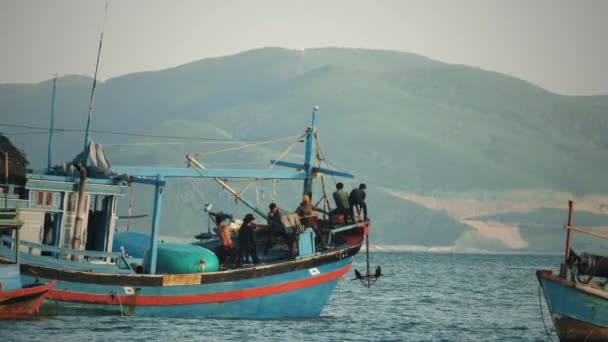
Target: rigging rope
(320,159)
(540,305)
(245,146)
(73,130)
(281,156)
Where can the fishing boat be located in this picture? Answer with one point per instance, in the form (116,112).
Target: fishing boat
(577,297)
(18,301)
(69,228)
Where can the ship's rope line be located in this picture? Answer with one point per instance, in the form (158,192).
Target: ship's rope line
(281,156)
(245,146)
(322,158)
(179,143)
(73,130)
(542,316)
(297,139)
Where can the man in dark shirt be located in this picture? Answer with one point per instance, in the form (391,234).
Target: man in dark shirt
(357,198)
(342,202)
(276,230)
(247,240)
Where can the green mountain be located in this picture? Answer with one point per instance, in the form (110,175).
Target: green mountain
(398,121)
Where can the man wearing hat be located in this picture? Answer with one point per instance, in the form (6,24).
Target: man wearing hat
(247,240)
(357,198)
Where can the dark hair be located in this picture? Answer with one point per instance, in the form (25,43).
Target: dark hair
(272,206)
(248,218)
(362,186)
(339,186)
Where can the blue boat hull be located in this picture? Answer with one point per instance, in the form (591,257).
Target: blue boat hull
(293,289)
(578,315)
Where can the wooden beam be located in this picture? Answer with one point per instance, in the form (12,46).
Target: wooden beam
(587,232)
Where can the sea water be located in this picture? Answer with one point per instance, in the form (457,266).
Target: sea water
(421,297)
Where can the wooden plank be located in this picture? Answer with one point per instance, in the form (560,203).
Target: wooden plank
(182,279)
(587,232)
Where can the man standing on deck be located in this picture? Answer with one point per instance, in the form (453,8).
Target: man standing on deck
(276,229)
(342,203)
(247,240)
(357,198)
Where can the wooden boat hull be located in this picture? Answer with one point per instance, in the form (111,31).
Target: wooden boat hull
(23,303)
(579,313)
(298,288)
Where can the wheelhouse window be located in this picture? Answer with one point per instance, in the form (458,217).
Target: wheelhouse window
(45,198)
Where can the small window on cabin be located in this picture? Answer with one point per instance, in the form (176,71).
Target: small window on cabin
(45,198)
(72,201)
(49,199)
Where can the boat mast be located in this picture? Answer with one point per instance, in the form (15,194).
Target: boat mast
(5,180)
(308,157)
(52,124)
(86,135)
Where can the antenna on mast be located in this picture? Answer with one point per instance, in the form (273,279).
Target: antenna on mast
(52,124)
(86,136)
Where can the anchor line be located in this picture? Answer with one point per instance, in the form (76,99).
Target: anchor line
(540,306)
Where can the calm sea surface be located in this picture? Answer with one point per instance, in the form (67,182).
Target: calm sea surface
(423,297)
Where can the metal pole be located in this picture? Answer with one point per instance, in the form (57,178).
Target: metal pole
(5,180)
(564,267)
(158,196)
(86,135)
(52,125)
(367,255)
(569,231)
(17,240)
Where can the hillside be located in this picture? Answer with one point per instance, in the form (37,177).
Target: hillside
(399,121)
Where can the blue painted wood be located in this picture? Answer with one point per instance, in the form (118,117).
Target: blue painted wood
(48,248)
(71,184)
(314,169)
(306,302)
(309,154)
(60,263)
(306,243)
(155,223)
(10,277)
(75,179)
(573,303)
(90,259)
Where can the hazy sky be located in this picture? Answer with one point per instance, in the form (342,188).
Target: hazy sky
(559,45)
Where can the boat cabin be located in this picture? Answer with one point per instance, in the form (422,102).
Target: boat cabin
(52,223)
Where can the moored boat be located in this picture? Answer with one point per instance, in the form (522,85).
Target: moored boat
(577,297)
(79,212)
(17,301)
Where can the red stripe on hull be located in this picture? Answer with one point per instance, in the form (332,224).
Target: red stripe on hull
(21,304)
(80,297)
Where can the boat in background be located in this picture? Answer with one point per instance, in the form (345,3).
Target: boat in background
(17,301)
(578,296)
(69,225)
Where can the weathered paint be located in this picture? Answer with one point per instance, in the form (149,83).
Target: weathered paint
(307,282)
(301,293)
(578,314)
(21,304)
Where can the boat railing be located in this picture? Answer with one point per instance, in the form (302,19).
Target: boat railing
(108,258)
(336,230)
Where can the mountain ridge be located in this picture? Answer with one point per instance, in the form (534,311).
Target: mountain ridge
(398,120)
